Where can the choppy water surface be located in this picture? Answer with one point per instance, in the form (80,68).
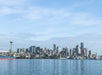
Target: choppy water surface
(50,67)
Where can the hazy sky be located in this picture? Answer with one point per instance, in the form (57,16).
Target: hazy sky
(44,22)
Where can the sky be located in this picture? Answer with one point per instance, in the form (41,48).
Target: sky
(45,22)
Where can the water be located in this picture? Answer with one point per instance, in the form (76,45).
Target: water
(50,67)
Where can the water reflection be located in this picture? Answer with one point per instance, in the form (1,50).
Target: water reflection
(50,67)
(80,67)
(10,69)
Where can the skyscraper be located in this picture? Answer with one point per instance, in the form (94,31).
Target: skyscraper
(85,52)
(82,45)
(89,55)
(54,48)
(32,49)
(82,49)
(70,53)
(78,50)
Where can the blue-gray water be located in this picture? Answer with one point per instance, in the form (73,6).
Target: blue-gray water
(50,67)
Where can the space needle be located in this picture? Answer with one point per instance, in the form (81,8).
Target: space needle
(11,46)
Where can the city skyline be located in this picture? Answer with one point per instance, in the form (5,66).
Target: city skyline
(45,22)
(78,52)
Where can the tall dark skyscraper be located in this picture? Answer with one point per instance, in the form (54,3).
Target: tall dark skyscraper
(57,50)
(38,50)
(82,49)
(82,45)
(70,53)
(32,49)
(54,48)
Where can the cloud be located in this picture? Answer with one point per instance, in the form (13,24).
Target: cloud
(52,22)
(85,19)
(10,11)
(50,16)
(53,16)
(37,13)
(58,16)
(10,7)
(11,2)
